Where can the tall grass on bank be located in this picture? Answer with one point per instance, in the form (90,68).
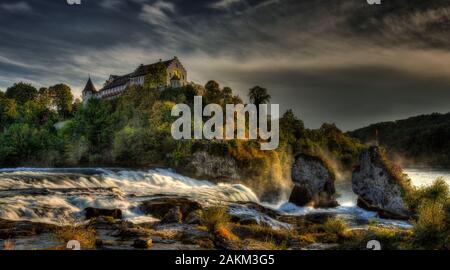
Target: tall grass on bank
(432,223)
(86,236)
(215,217)
(9,245)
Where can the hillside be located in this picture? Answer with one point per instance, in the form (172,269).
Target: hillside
(420,140)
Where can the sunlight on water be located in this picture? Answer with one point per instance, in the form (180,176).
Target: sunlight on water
(426,176)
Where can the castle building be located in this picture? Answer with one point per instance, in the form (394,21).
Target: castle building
(175,73)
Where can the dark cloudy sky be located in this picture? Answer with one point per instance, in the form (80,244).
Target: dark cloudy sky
(329,60)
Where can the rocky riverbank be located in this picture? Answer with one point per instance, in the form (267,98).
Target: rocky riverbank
(184,224)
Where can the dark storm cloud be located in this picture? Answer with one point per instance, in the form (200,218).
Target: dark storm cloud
(331,61)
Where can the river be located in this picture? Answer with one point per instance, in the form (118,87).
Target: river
(59,196)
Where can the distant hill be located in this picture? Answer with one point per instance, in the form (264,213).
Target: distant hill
(420,140)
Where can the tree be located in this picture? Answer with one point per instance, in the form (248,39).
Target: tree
(77,104)
(157,76)
(291,125)
(258,95)
(8,112)
(22,92)
(94,122)
(62,99)
(227,95)
(213,93)
(44,97)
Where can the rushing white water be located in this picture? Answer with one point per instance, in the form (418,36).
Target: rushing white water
(60,195)
(347,199)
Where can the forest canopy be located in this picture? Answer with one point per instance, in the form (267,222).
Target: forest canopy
(48,127)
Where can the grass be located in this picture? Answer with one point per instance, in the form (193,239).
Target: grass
(269,237)
(9,245)
(215,217)
(336,226)
(225,232)
(84,235)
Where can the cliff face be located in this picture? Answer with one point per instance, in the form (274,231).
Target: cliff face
(377,188)
(313,183)
(271,183)
(216,167)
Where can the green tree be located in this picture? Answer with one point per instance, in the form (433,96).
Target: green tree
(291,129)
(22,92)
(44,97)
(157,76)
(95,123)
(8,112)
(18,143)
(62,99)
(259,95)
(213,93)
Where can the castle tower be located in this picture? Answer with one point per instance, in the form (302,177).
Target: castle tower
(89,91)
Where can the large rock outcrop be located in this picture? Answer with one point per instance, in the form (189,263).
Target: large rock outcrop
(269,182)
(215,167)
(377,187)
(313,183)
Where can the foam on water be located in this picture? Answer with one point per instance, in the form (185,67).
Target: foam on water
(60,195)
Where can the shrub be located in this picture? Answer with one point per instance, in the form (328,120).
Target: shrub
(438,192)
(215,216)
(432,205)
(335,226)
(8,245)
(82,234)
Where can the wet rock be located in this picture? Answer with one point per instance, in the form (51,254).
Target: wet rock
(313,183)
(91,212)
(143,243)
(321,246)
(173,216)
(223,243)
(194,218)
(107,223)
(254,214)
(377,187)
(161,206)
(99,243)
(13,229)
(131,232)
(194,235)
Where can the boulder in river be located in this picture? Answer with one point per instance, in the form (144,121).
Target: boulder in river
(173,216)
(313,182)
(91,212)
(142,243)
(160,207)
(378,186)
(194,218)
